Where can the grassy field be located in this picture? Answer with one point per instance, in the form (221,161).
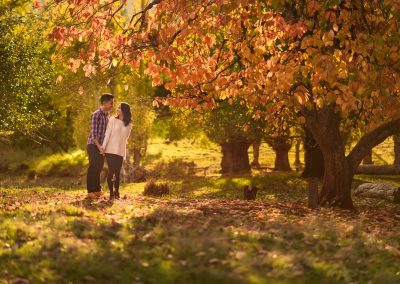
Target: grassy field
(203,232)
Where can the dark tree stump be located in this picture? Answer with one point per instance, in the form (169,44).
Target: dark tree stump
(250,192)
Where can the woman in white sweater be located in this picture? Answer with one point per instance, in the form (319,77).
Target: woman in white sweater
(114,146)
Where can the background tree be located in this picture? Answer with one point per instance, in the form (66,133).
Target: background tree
(31,110)
(233,128)
(281,146)
(136,89)
(25,71)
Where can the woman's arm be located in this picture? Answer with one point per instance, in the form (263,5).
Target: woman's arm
(110,126)
(129,132)
(127,137)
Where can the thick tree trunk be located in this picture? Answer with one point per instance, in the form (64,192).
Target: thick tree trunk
(396,140)
(339,169)
(281,145)
(235,156)
(313,158)
(368,158)
(256,154)
(338,175)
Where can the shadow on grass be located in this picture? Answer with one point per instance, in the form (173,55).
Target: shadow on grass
(93,205)
(174,244)
(175,168)
(284,186)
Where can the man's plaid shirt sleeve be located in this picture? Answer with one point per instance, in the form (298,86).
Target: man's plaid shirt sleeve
(94,126)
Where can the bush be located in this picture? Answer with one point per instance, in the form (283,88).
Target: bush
(62,165)
(153,189)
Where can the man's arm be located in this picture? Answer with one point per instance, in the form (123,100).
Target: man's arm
(94,125)
(96,141)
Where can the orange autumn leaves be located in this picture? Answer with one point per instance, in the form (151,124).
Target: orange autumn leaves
(302,54)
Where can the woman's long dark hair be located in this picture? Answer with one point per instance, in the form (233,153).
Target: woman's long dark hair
(126,110)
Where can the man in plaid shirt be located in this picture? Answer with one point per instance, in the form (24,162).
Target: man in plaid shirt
(98,125)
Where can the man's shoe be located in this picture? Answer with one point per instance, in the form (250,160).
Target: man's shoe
(116,195)
(112,196)
(94,195)
(90,196)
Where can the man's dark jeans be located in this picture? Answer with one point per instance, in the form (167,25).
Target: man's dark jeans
(96,163)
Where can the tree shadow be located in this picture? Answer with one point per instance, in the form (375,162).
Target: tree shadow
(205,242)
(284,186)
(94,205)
(175,168)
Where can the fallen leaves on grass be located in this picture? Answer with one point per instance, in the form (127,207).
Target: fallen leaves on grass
(231,238)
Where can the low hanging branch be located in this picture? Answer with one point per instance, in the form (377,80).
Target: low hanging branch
(372,139)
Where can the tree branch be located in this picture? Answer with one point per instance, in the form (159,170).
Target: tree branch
(144,11)
(372,139)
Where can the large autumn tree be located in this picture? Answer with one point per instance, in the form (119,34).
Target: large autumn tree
(331,63)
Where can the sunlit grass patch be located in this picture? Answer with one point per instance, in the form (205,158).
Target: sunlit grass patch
(63,164)
(59,237)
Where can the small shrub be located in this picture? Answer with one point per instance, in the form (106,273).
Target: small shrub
(153,189)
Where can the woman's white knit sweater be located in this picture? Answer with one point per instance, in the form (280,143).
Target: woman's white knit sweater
(116,137)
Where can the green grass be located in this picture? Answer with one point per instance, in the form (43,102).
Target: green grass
(203,232)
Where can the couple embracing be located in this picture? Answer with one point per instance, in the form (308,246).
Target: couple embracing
(107,140)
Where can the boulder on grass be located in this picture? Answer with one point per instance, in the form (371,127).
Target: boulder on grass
(378,190)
